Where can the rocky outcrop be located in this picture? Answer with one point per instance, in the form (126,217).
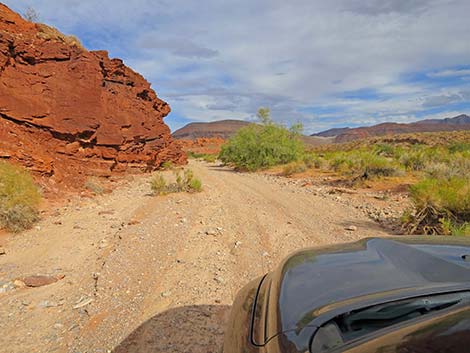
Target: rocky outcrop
(67,113)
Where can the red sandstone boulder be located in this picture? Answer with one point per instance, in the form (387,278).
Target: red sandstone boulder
(67,113)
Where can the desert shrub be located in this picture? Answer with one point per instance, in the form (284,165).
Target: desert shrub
(94,186)
(19,198)
(385,149)
(158,185)
(195,185)
(294,168)
(437,201)
(438,170)
(185,182)
(413,160)
(461,230)
(366,164)
(458,165)
(50,33)
(210,158)
(341,162)
(73,41)
(167,165)
(459,147)
(262,146)
(377,166)
(312,160)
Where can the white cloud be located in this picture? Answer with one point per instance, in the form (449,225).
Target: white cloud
(450,73)
(215,58)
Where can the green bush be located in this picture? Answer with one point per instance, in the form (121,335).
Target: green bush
(376,166)
(440,205)
(459,147)
(413,160)
(167,165)
(365,164)
(461,230)
(183,183)
(193,155)
(19,198)
(386,150)
(341,162)
(210,158)
(312,160)
(158,185)
(195,185)
(293,168)
(187,182)
(262,146)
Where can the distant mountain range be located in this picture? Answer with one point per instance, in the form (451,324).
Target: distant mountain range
(222,128)
(461,122)
(227,128)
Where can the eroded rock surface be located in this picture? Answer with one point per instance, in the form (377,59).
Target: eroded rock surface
(67,113)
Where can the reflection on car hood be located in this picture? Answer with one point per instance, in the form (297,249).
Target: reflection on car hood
(312,284)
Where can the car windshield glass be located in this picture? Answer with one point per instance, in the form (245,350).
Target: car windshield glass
(357,323)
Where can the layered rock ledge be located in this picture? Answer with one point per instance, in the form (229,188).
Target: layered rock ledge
(67,113)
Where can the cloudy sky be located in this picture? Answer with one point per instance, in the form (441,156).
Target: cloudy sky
(328,63)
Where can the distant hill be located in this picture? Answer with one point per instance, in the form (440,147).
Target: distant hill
(222,128)
(227,128)
(462,119)
(461,122)
(332,132)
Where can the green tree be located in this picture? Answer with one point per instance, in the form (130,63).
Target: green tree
(264,115)
(262,146)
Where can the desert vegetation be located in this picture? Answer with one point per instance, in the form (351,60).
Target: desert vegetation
(19,198)
(440,163)
(260,146)
(50,33)
(206,157)
(183,182)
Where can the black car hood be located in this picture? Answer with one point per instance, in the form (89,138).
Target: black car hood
(311,285)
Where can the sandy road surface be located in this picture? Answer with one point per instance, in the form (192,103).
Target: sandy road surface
(158,274)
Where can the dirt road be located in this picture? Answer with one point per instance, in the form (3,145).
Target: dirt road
(158,274)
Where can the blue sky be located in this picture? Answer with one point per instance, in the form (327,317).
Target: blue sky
(324,63)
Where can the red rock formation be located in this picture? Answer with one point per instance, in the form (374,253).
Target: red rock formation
(67,113)
(207,145)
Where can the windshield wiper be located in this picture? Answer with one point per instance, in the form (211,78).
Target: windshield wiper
(360,322)
(391,313)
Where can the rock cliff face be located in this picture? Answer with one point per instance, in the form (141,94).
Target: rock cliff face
(67,113)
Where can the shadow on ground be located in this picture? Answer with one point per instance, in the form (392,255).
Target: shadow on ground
(195,329)
(222,168)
